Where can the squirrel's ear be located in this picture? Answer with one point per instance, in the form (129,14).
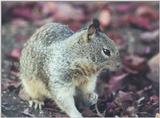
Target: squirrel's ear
(93,28)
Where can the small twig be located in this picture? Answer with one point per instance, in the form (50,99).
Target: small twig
(131,42)
(51,109)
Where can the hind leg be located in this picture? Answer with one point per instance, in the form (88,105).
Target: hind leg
(37,90)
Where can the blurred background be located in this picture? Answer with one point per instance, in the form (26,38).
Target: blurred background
(133,26)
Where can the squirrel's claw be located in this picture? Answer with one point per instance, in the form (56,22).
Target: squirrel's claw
(30,103)
(36,104)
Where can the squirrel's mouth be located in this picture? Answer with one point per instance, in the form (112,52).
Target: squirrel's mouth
(110,64)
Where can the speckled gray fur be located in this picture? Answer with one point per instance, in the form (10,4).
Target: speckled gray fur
(50,56)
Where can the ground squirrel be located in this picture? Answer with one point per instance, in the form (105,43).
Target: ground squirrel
(55,62)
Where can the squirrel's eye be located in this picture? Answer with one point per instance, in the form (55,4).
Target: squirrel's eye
(106,52)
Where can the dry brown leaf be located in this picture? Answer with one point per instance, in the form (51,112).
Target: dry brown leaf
(6,83)
(134,63)
(23,95)
(105,18)
(154,68)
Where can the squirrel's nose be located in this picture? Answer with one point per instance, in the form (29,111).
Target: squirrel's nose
(118,65)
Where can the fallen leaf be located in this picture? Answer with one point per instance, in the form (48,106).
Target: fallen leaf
(25,12)
(62,11)
(154,98)
(66,12)
(39,23)
(21,38)
(149,36)
(23,95)
(7,106)
(88,113)
(131,111)
(48,7)
(16,74)
(26,112)
(123,21)
(74,25)
(6,84)
(147,12)
(105,18)
(134,63)
(157,115)
(115,83)
(19,22)
(124,8)
(139,22)
(117,38)
(15,53)
(123,97)
(145,50)
(154,68)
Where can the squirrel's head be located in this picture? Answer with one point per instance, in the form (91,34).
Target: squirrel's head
(101,48)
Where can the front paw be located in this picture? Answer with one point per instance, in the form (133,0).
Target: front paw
(91,99)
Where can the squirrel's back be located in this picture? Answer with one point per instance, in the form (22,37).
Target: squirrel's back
(51,33)
(35,50)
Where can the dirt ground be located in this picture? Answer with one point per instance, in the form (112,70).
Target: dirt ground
(131,91)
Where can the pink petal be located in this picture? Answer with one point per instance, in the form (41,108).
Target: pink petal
(146,11)
(105,17)
(15,53)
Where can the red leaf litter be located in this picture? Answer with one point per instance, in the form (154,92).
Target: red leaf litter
(15,53)
(105,18)
(123,8)
(21,38)
(146,12)
(140,22)
(130,91)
